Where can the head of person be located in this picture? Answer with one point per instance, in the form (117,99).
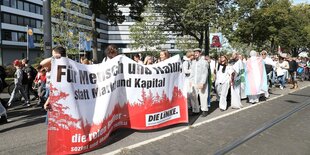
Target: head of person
(25,61)
(281,59)
(17,63)
(111,51)
(263,54)
(39,68)
(163,55)
(43,71)
(190,55)
(235,56)
(59,51)
(208,58)
(82,58)
(197,52)
(86,61)
(253,53)
(136,58)
(223,60)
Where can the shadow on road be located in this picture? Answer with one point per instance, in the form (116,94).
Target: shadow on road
(23,116)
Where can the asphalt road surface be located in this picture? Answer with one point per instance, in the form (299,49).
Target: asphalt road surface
(26,131)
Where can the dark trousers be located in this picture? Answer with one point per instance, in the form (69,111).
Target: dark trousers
(28,89)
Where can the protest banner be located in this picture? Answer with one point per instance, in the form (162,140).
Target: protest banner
(90,101)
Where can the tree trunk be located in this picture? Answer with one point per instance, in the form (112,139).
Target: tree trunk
(94,37)
(207,43)
(272,46)
(200,41)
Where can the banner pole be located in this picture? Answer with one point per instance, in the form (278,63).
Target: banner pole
(27,43)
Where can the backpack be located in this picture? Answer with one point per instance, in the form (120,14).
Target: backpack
(268,68)
(25,78)
(31,72)
(2,73)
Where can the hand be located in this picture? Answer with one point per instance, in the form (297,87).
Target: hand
(47,105)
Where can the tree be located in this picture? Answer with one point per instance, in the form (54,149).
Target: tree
(109,9)
(191,17)
(147,34)
(65,28)
(186,42)
(267,24)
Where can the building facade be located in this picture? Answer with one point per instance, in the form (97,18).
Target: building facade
(17,14)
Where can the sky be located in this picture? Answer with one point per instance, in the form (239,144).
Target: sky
(301,1)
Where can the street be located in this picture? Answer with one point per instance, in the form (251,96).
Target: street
(26,132)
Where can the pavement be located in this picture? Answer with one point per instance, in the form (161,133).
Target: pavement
(26,131)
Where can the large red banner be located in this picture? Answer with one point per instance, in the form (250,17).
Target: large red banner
(90,101)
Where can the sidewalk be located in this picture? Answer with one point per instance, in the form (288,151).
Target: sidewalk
(123,140)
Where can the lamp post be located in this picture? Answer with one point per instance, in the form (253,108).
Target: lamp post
(47,22)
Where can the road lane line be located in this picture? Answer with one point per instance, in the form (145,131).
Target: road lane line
(194,125)
(266,126)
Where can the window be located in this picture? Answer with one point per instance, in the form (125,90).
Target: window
(38,24)
(103,36)
(38,10)
(7,35)
(38,38)
(14,36)
(13,3)
(26,6)
(6,3)
(20,5)
(32,8)
(14,19)
(6,18)
(20,20)
(32,23)
(27,21)
(21,37)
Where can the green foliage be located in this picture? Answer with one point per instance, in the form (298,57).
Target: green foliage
(10,71)
(65,28)
(147,34)
(110,10)
(185,43)
(267,24)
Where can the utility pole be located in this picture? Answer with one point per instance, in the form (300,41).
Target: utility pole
(47,31)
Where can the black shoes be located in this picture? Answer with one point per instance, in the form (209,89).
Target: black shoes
(204,113)
(27,104)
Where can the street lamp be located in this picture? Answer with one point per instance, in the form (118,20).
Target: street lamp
(47,22)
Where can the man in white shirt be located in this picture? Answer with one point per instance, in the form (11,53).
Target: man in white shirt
(199,80)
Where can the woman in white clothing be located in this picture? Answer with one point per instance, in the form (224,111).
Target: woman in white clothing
(222,82)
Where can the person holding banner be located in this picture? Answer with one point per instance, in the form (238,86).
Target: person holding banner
(110,52)
(199,83)
(187,71)
(57,53)
(163,55)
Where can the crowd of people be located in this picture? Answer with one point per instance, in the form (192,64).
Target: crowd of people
(230,78)
(234,77)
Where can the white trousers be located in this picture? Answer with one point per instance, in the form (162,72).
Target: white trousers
(235,97)
(222,91)
(203,95)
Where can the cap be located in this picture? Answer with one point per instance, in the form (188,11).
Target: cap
(16,62)
(197,49)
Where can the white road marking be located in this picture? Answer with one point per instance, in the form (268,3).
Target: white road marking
(195,125)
